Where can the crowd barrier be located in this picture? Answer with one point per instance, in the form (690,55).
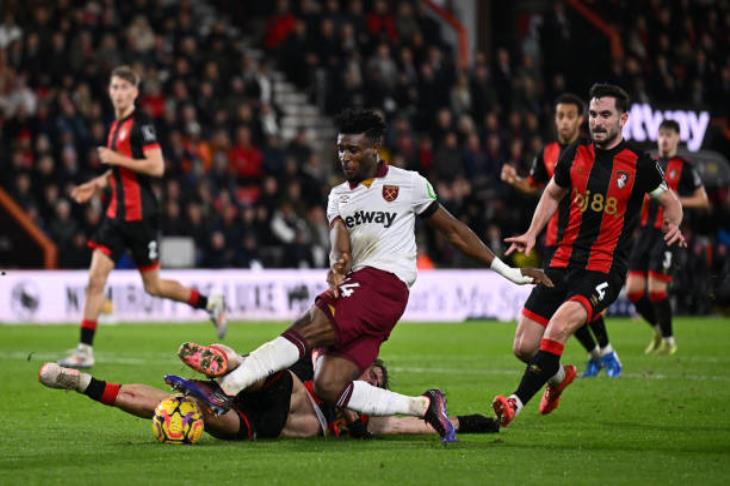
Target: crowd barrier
(49,297)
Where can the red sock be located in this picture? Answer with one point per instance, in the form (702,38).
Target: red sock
(103,392)
(88,329)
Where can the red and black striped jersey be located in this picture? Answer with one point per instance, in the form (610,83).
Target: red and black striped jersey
(132,198)
(681,177)
(541,171)
(606,191)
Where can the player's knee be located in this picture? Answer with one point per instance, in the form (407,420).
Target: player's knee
(635,289)
(657,287)
(152,288)
(522,350)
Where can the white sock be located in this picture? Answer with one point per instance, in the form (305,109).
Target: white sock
(558,377)
(84,381)
(669,340)
(606,350)
(370,400)
(85,348)
(261,363)
(657,330)
(595,353)
(518,402)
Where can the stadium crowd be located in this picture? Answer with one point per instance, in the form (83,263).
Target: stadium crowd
(246,196)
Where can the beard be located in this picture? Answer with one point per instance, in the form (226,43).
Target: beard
(610,137)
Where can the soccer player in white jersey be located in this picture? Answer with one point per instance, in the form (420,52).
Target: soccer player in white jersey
(373,263)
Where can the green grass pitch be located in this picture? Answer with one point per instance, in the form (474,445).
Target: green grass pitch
(666,420)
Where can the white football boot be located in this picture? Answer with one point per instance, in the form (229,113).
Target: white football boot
(54,376)
(81,357)
(216,309)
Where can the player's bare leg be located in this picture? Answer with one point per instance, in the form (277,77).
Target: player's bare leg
(636,292)
(99,270)
(174,290)
(136,399)
(658,295)
(545,366)
(527,338)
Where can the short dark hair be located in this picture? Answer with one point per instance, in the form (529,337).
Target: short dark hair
(354,121)
(603,90)
(126,73)
(669,125)
(379,363)
(571,99)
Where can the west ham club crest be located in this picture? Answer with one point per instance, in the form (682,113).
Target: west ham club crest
(390,193)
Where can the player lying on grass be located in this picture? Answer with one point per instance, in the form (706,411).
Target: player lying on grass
(372,218)
(283,405)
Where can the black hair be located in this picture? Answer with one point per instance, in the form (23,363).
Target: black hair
(669,125)
(353,121)
(379,363)
(603,90)
(571,99)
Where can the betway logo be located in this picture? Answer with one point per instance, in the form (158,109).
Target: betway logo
(644,123)
(362,217)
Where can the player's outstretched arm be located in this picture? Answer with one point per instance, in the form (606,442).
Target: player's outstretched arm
(672,217)
(340,255)
(83,192)
(464,239)
(510,176)
(698,200)
(152,164)
(546,207)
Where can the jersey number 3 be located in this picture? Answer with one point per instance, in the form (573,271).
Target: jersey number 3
(152,253)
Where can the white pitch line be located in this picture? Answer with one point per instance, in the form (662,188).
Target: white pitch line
(516,372)
(169,359)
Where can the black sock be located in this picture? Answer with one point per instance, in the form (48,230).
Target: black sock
(95,390)
(586,339)
(540,369)
(663,311)
(477,424)
(599,330)
(646,310)
(87,336)
(202,302)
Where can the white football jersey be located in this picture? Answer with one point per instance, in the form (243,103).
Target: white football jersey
(381,220)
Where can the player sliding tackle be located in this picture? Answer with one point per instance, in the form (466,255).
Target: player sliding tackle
(283,405)
(373,263)
(607,181)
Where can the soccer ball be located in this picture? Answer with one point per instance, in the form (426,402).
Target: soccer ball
(177,420)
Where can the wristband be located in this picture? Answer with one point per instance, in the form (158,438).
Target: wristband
(511,274)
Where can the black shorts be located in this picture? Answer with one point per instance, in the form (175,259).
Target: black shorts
(113,237)
(593,290)
(264,413)
(651,255)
